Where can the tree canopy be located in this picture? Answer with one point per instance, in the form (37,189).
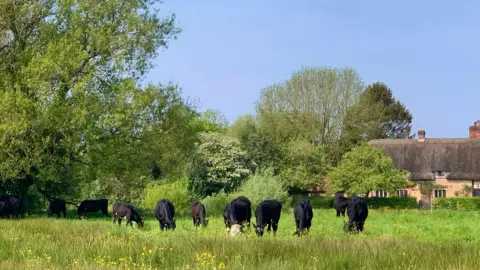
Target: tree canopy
(365,169)
(70,93)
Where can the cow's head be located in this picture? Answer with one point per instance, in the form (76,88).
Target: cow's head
(258,229)
(205,222)
(236,229)
(140,223)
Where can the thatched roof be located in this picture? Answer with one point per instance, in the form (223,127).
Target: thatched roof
(458,157)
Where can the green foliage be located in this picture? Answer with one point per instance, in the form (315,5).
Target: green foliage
(376,115)
(71,104)
(263,185)
(310,105)
(321,202)
(392,203)
(215,204)
(317,202)
(457,203)
(365,169)
(176,192)
(219,165)
(305,165)
(259,147)
(210,121)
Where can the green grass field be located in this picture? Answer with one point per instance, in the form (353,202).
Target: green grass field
(392,240)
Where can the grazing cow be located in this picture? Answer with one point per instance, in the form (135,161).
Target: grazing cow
(238,211)
(5,209)
(56,207)
(165,214)
(357,211)
(92,206)
(15,205)
(198,213)
(303,216)
(127,211)
(267,212)
(340,203)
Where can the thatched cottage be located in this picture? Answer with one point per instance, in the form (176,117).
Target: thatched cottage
(453,163)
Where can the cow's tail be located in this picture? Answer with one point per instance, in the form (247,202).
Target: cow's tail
(303,216)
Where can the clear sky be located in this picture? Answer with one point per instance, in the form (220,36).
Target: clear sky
(427,52)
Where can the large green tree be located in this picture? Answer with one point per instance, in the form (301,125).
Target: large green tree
(71,106)
(311,105)
(365,169)
(376,115)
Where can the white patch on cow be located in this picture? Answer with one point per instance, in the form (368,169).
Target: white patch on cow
(235,230)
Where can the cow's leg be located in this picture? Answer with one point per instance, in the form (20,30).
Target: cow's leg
(275,227)
(269,226)
(105,212)
(162,226)
(338,213)
(64,213)
(114,215)
(343,213)
(194,222)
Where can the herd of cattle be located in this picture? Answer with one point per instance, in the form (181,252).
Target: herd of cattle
(237,213)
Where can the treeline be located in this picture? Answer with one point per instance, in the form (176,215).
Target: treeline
(76,121)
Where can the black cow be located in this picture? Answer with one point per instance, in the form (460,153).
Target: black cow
(127,211)
(303,216)
(56,207)
(14,206)
(198,213)
(165,214)
(357,211)
(267,212)
(92,206)
(340,203)
(5,209)
(238,211)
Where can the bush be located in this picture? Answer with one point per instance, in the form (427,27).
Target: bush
(317,202)
(463,203)
(264,186)
(176,192)
(321,202)
(393,203)
(214,205)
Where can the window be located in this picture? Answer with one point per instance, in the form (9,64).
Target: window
(439,174)
(381,194)
(401,192)
(440,193)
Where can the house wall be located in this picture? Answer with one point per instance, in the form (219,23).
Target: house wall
(451,186)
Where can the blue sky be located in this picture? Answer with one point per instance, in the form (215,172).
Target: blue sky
(427,52)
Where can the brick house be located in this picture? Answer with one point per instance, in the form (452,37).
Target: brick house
(453,163)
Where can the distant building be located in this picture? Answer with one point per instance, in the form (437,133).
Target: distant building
(453,163)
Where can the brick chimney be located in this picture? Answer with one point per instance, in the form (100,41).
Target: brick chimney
(421,135)
(475,130)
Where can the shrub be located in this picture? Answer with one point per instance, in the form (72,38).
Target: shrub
(321,202)
(457,203)
(317,202)
(263,185)
(176,192)
(392,202)
(215,204)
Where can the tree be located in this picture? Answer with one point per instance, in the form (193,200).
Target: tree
(376,115)
(210,121)
(311,105)
(219,165)
(305,165)
(258,146)
(70,100)
(365,169)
